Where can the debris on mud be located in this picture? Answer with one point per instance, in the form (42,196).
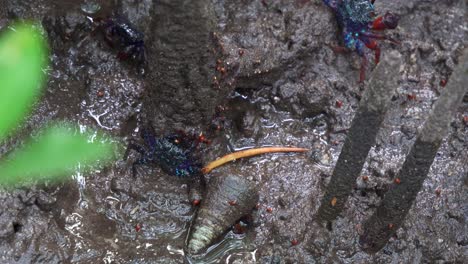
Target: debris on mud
(271,66)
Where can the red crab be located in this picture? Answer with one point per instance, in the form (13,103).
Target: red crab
(359,23)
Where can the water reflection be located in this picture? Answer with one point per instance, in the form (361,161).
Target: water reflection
(233,247)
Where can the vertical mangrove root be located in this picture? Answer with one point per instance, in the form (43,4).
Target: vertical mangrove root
(392,211)
(361,136)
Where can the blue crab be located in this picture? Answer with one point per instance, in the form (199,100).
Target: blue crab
(123,36)
(174,153)
(359,24)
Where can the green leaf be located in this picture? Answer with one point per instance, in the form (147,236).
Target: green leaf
(54,155)
(23,56)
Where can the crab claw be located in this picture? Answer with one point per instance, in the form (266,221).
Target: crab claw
(387,21)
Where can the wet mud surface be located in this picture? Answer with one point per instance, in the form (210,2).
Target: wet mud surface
(266,73)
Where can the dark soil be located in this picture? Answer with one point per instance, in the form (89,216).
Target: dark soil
(266,73)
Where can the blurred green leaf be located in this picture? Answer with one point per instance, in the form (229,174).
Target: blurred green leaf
(54,154)
(23,56)
(56,151)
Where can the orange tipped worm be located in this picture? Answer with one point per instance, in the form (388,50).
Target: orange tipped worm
(247,153)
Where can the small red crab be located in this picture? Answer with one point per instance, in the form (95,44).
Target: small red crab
(359,23)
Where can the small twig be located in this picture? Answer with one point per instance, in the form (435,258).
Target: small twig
(248,153)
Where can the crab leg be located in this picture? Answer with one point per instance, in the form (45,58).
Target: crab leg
(375,47)
(248,153)
(360,45)
(372,44)
(378,36)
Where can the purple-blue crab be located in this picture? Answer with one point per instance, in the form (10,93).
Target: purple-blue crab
(359,24)
(174,154)
(123,36)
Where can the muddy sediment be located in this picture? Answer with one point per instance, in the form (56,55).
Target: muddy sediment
(282,85)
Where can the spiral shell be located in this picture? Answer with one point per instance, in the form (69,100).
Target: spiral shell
(228,199)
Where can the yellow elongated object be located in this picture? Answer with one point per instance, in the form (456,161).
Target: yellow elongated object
(248,153)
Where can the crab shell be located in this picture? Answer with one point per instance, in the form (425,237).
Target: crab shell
(228,198)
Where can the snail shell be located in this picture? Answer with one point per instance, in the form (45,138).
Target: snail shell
(228,198)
